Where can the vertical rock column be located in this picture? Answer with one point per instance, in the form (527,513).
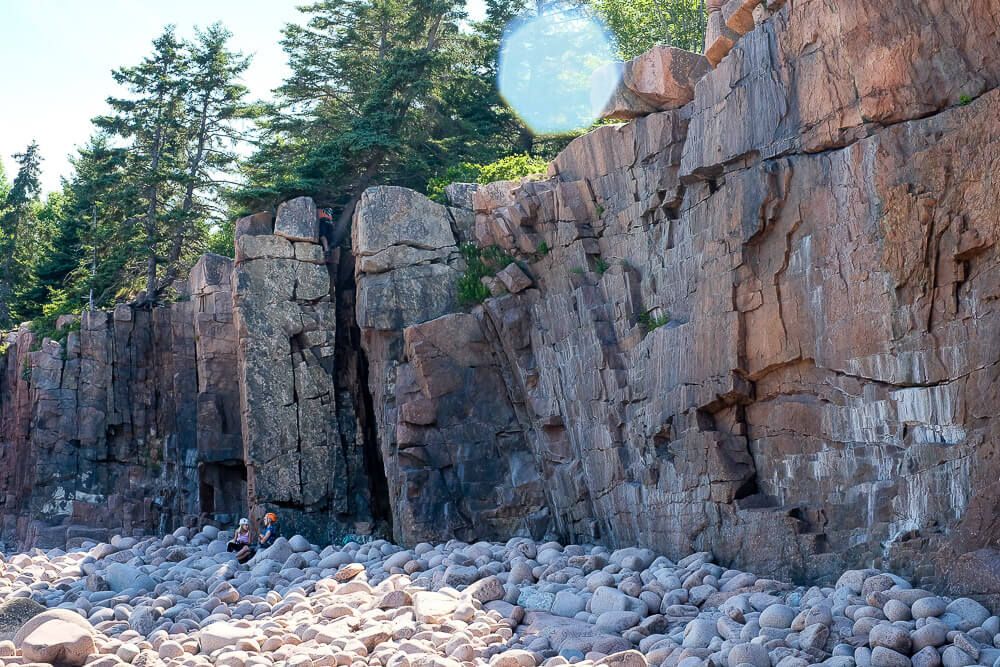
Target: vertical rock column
(15,417)
(221,470)
(456,457)
(407,268)
(286,346)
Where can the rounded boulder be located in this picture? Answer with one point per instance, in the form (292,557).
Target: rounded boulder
(58,637)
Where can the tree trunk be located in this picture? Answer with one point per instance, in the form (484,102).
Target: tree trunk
(152,192)
(187,206)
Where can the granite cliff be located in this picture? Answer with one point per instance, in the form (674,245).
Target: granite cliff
(758,319)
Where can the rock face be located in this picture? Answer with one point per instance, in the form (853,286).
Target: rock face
(246,394)
(764,325)
(129,425)
(459,460)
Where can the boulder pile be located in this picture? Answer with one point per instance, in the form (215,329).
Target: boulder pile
(182,600)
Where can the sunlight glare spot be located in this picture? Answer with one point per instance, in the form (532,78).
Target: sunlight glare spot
(547,64)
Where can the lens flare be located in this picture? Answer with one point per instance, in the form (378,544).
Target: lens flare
(547,66)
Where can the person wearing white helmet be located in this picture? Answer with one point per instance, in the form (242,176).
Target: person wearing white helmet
(242,539)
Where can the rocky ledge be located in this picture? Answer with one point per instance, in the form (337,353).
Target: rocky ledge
(183,600)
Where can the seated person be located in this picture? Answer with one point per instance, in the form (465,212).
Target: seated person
(270,533)
(242,538)
(266,539)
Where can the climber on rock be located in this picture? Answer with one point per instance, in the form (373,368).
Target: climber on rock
(242,538)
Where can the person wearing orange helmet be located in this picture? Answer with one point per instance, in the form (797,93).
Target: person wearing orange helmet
(270,533)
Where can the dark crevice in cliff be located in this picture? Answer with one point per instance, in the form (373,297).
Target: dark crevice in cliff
(381,508)
(789,235)
(455,228)
(352,381)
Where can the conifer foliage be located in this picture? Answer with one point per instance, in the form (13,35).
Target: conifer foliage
(16,216)
(400,92)
(145,194)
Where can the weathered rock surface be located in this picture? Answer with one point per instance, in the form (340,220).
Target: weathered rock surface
(455,463)
(816,77)
(129,425)
(14,613)
(764,320)
(306,446)
(58,637)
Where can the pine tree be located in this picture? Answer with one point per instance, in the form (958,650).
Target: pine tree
(4,187)
(215,107)
(181,126)
(16,227)
(94,217)
(152,119)
(474,123)
(35,248)
(354,110)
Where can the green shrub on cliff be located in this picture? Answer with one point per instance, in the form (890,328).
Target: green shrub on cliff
(512,168)
(45,327)
(509,168)
(649,322)
(479,263)
(464,172)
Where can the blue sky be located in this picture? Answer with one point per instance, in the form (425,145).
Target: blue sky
(56,58)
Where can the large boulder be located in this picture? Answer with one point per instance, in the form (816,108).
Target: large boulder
(222,635)
(661,79)
(120,577)
(278,552)
(59,637)
(297,220)
(395,228)
(431,607)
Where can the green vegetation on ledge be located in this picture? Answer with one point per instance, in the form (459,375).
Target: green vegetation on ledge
(479,263)
(510,168)
(650,322)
